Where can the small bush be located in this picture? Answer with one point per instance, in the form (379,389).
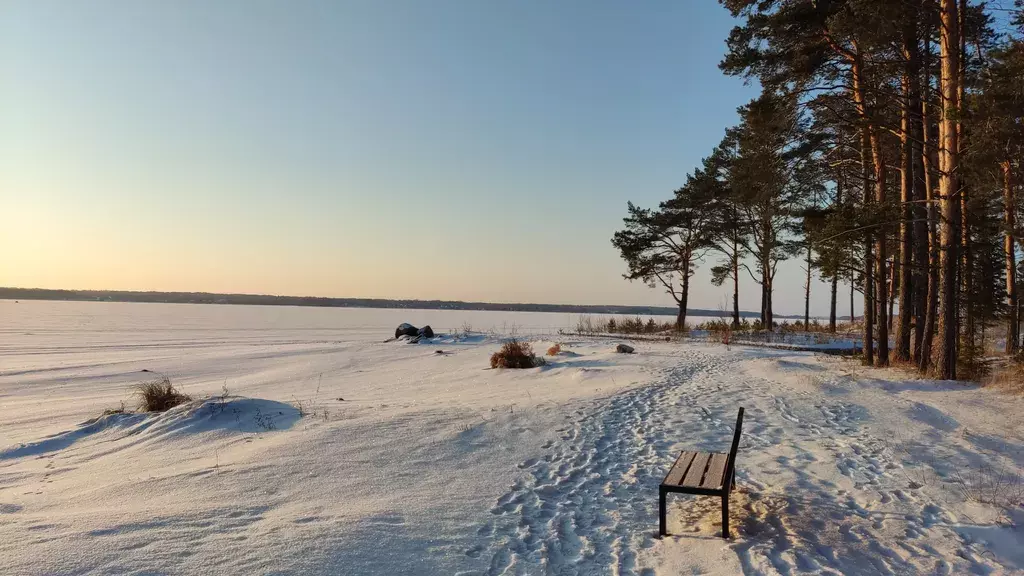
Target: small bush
(159,396)
(632,326)
(554,350)
(515,354)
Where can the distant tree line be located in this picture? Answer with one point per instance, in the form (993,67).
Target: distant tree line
(885,151)
(271,300)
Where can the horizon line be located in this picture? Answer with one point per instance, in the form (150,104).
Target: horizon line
(673,309)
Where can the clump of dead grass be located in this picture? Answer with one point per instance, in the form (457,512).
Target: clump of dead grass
(159,395)
(122,409)
(1008,379)
(989,485)
(515,354)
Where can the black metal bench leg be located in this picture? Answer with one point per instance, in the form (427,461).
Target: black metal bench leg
(662,528)
(725,515)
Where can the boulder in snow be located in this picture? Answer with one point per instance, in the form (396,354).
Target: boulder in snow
(426,332)
(406,330)
(624,349)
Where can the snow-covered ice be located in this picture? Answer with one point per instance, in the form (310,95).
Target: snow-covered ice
(405,461)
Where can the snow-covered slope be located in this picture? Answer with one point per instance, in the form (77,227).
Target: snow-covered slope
(320,452)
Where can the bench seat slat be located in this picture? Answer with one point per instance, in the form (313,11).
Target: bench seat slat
(675,475)
(696,472)
(713,480)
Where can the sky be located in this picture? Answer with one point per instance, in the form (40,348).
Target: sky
(432,149)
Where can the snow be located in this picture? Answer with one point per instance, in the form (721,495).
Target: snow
(405,461)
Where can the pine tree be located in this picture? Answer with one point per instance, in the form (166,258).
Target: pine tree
(664,246)
(774,170)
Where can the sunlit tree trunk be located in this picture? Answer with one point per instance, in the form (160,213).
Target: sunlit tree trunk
(1009,222)
(908,106)
(967,262)
(949,160)
(927,150)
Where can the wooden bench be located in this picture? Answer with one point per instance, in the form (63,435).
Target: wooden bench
(703,474)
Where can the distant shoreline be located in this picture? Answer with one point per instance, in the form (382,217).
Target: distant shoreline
(315,301)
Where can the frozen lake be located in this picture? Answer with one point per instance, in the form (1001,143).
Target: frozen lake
(156,322)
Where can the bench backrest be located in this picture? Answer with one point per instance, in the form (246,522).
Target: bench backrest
(735,447)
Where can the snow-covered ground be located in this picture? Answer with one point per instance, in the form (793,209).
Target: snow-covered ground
(405,461)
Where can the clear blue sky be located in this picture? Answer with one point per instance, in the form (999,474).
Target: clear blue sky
(451,149)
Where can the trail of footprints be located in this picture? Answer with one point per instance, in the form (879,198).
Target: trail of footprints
(586,507)
(589,503)
(882,492)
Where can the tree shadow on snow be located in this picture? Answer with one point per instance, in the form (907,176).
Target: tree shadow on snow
(915,385)
(933,417)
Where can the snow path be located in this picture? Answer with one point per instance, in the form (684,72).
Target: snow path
(820,493)
(587,501)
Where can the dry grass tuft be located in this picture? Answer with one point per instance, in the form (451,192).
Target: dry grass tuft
(554,350)
(122,409)
(159,396)
(515,354)
(1008,378)
(989,485)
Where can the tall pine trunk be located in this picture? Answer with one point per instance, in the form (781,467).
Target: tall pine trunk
(881,264)
(894,273)
(853,293)
(683,299)
(832,307)
(767,275)
(949,161)
(967,253)
(735,283)
(927,149)
(807,292)
(907,282)
(1009,222)
(835,276)
(870,143)
(764,304)
(919,211)
(869,302)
